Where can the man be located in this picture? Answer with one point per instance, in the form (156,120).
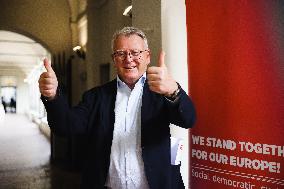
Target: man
(126,121)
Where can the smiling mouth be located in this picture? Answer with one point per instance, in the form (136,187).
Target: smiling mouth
(130,68)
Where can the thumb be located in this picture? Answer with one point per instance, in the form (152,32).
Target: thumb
(47,65)
(161,62)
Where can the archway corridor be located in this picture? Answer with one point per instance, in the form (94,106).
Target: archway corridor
(24,158)
(25,152)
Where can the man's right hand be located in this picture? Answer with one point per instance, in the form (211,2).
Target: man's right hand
(48,81)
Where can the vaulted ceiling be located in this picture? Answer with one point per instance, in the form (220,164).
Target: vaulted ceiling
(19,55)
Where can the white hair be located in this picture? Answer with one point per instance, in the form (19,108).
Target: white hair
(128,31)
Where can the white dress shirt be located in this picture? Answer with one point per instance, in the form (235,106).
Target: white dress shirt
(126,170)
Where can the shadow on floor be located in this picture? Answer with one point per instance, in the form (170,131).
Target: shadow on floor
(46,177)
(24,158)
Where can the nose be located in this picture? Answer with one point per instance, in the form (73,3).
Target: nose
(128,56)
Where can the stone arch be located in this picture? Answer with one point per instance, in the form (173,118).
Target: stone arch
(27,34)
(46,21)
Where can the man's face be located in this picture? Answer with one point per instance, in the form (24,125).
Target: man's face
(131,58)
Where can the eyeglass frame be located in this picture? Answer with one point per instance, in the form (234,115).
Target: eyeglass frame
(128,53)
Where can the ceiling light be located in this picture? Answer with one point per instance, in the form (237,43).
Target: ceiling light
(128,11)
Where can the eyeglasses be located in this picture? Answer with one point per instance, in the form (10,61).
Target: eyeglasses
(123,54)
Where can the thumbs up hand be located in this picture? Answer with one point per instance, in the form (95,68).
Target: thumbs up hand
(159,79)
(48,81)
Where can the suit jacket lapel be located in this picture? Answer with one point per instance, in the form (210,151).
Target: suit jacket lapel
(110,105)
(146,107)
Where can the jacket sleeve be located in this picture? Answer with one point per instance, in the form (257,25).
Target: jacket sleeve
(65,120)
(181,111)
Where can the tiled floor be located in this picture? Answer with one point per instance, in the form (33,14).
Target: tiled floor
(24,158)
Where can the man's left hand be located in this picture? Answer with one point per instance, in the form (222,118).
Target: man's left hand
(159,79)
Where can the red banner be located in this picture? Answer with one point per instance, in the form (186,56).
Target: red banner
(236,66)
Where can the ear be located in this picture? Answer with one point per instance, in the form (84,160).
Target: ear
(112,57)
(113,61)
(148,57)
(114,64)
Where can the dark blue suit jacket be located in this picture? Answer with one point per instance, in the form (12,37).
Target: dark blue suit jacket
(94,118)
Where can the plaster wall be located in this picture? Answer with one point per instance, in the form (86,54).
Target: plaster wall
(147,16)
(174,43)
(104,18)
